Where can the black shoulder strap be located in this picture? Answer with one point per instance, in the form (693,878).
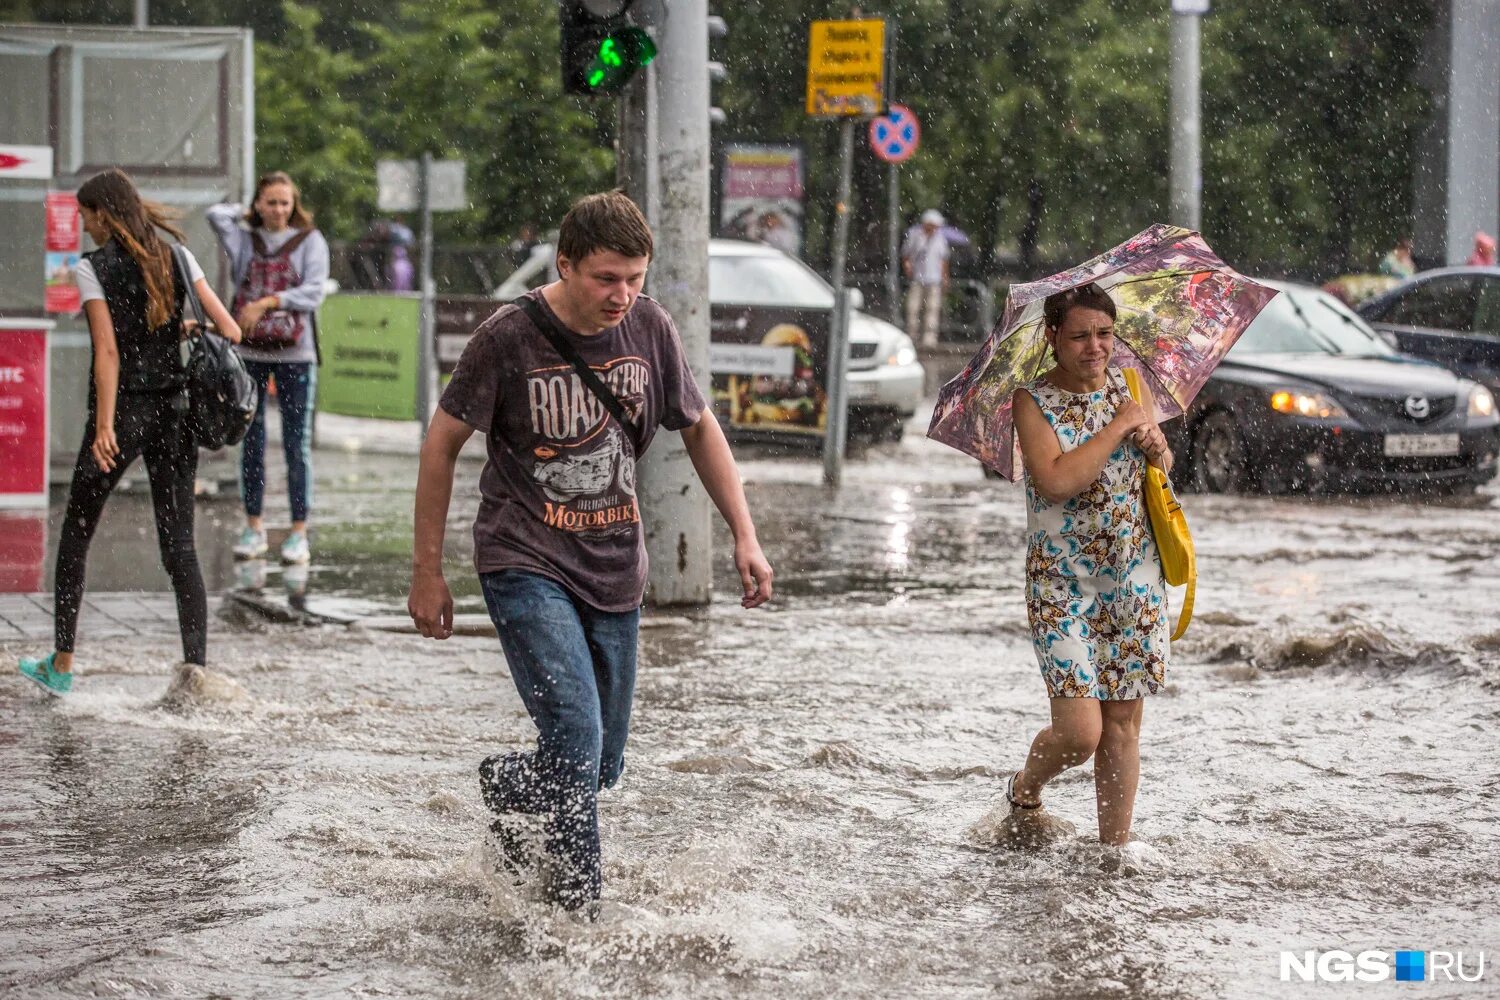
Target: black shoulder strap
(189,293)
(590,378)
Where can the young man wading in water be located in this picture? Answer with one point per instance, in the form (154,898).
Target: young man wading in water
(558,541)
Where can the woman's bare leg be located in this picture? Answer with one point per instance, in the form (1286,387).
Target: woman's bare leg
(1117,769)
(1068,742)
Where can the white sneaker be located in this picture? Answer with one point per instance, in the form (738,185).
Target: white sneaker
(295,548)
(252,544)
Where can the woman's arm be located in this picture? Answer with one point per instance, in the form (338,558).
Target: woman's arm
(1060,476)
(214,309)
(224,219)
(106,382)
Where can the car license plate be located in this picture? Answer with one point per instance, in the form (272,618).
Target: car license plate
(861,391)
(1409,445)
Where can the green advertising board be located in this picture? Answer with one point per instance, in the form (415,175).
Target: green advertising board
(369,345)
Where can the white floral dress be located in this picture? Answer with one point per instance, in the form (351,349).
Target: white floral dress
(1095,596)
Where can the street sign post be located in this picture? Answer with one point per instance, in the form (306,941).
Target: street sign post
(894,136)
(846,79)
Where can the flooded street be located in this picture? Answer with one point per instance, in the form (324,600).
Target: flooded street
(811,791)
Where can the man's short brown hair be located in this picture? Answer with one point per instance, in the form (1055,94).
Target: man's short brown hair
(605,221)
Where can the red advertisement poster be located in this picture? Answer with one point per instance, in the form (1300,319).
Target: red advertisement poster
(23,551)
(64,245)
(63,228)
(23,416)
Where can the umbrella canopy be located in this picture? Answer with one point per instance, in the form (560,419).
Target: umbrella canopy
(1180,309)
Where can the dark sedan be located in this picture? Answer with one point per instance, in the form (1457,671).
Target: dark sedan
(1450,315)
(1311,398)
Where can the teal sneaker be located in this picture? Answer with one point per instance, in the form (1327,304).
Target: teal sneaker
(252,544)
(54,682)
(295,549)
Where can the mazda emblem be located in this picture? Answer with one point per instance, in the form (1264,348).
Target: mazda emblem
(1417,407)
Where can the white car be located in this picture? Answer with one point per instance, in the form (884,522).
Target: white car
(886,382)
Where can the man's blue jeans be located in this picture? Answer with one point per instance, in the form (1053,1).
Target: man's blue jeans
(574,667)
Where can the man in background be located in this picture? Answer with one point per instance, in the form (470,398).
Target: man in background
(925,261)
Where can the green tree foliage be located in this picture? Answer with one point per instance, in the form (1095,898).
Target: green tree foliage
(307,124)
(1311,111)
(470,79)
(1045,121)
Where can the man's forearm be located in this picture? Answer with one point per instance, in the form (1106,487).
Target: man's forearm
(714,462)
(430,521)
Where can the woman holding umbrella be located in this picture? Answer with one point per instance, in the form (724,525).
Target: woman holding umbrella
(1096,599)
(1046,393)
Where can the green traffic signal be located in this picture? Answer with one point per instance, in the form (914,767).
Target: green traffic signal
(620,54)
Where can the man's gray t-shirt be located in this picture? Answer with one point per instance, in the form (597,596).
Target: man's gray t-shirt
(558,491)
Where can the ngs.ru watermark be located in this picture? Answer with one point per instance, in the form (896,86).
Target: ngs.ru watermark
(1378,966)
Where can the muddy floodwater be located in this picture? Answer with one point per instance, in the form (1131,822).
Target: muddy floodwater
(809,801)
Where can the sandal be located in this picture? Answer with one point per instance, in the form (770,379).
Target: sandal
(1010,795)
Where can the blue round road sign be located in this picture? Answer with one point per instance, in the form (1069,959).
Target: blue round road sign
(894,136)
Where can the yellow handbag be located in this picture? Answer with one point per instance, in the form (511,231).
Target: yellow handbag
(1179,563)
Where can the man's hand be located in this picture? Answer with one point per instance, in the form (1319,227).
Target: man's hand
(755,573)
(430,604)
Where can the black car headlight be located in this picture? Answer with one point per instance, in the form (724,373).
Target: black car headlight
(1312,405)
(1481,403)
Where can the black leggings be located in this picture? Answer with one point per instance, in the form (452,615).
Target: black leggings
(152,425)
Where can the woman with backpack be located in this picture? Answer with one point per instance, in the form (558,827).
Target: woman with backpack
(279,265)
(133,296)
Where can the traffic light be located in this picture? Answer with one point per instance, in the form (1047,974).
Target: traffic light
(717,29)
(601,49)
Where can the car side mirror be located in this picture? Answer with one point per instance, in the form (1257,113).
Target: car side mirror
(856,299)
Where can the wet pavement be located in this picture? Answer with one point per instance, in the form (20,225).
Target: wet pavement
(808,807)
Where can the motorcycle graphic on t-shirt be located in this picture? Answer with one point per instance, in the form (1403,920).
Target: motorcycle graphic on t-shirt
(584,465)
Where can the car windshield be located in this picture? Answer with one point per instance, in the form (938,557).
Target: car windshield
(765,280)
(1309,322)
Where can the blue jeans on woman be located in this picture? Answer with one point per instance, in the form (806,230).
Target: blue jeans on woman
(574,667)
(296,393)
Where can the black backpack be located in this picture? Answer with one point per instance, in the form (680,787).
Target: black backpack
(222,396)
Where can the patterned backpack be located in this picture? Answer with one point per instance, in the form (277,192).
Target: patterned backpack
(268,274)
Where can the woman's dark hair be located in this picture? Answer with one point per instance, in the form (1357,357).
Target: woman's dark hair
(607,221)
(300,218)
(1055,310)
(133,221)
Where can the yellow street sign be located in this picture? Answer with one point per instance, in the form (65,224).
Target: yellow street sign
(846,68)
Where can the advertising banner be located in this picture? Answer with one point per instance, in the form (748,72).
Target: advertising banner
(770,369)
(64,245)
(369,345)
(23,551)
(761,195)
(24,364)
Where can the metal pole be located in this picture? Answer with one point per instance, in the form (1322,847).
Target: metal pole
(893,246)
(142,13)
(836,432)
(1187,169)
(426,349)
(674,508)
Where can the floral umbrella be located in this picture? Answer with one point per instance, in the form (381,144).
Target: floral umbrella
(1180,309)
